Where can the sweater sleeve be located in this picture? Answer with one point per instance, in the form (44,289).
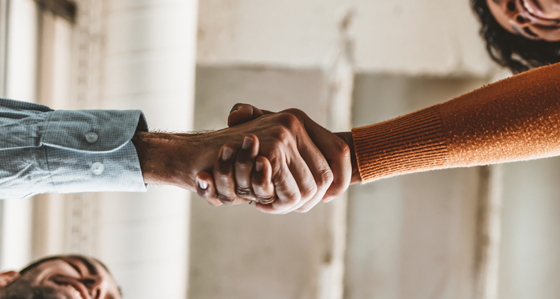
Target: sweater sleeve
(515,119)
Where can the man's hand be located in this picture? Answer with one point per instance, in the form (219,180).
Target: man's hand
(299,173)
(253,175)
(337,148)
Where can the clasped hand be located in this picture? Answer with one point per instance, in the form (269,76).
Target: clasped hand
(289,163)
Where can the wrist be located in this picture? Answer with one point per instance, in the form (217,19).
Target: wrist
(347,137)
(172,159)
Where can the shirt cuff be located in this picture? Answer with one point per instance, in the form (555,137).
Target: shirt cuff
(92,151)
(115,171)
(92,130)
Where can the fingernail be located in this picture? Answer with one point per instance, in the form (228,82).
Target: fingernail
(328,199)
(234,109)
(203,185)
(259,166)
(227,153)
(247,142)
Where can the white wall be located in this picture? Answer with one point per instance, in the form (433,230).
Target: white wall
(399,36)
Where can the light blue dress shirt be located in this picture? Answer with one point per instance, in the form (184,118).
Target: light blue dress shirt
(48,151)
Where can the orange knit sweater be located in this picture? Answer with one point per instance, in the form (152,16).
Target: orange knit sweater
(511,120)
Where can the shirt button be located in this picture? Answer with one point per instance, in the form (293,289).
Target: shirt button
(91,137)
(97,168)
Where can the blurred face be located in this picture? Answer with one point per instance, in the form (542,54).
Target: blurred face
(72,277)
(533,19)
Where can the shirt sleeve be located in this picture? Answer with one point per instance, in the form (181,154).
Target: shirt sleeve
(47,151)
(515,119)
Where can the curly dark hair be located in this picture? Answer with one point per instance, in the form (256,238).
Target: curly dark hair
(513,51)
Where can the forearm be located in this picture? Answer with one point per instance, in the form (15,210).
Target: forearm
(511,120)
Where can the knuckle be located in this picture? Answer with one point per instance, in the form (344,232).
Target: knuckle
(293,198)
(276,160)
(342,148)
(309,189)
(295,112)
(281,134)
(226,199)
(266,200)
(289,120)
(327,177)
(244,192)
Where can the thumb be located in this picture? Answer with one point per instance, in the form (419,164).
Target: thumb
(7,277)
(241,113)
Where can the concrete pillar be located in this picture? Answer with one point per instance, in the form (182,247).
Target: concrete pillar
(55,81)
(137,55)
(20,83)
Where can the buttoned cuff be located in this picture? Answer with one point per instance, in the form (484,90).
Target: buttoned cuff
(116,171)
(92,151)
(92,130)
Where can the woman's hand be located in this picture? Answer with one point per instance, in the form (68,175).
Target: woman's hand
(337,148)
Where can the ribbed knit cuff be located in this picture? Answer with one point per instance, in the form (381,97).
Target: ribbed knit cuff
(411,143)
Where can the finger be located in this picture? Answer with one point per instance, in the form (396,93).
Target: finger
(334,149)
(224,175)
(306,206)
(319,169)
(310,204)
(241,113)
(337,153)
(307,172)
(304,180)
(206,189)
(286,188)
(262,181)
(244,166)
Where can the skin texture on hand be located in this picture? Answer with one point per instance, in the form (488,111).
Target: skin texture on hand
(337,148)
(173,159)
(300,173)
(347,137)
(242,178)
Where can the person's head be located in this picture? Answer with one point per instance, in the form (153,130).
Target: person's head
(60,277)
(520,34)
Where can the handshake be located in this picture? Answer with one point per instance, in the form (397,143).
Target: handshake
(284,162)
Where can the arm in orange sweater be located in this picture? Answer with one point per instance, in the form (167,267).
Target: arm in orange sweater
(511,120)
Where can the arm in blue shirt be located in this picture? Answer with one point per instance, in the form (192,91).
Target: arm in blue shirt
(47,151)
